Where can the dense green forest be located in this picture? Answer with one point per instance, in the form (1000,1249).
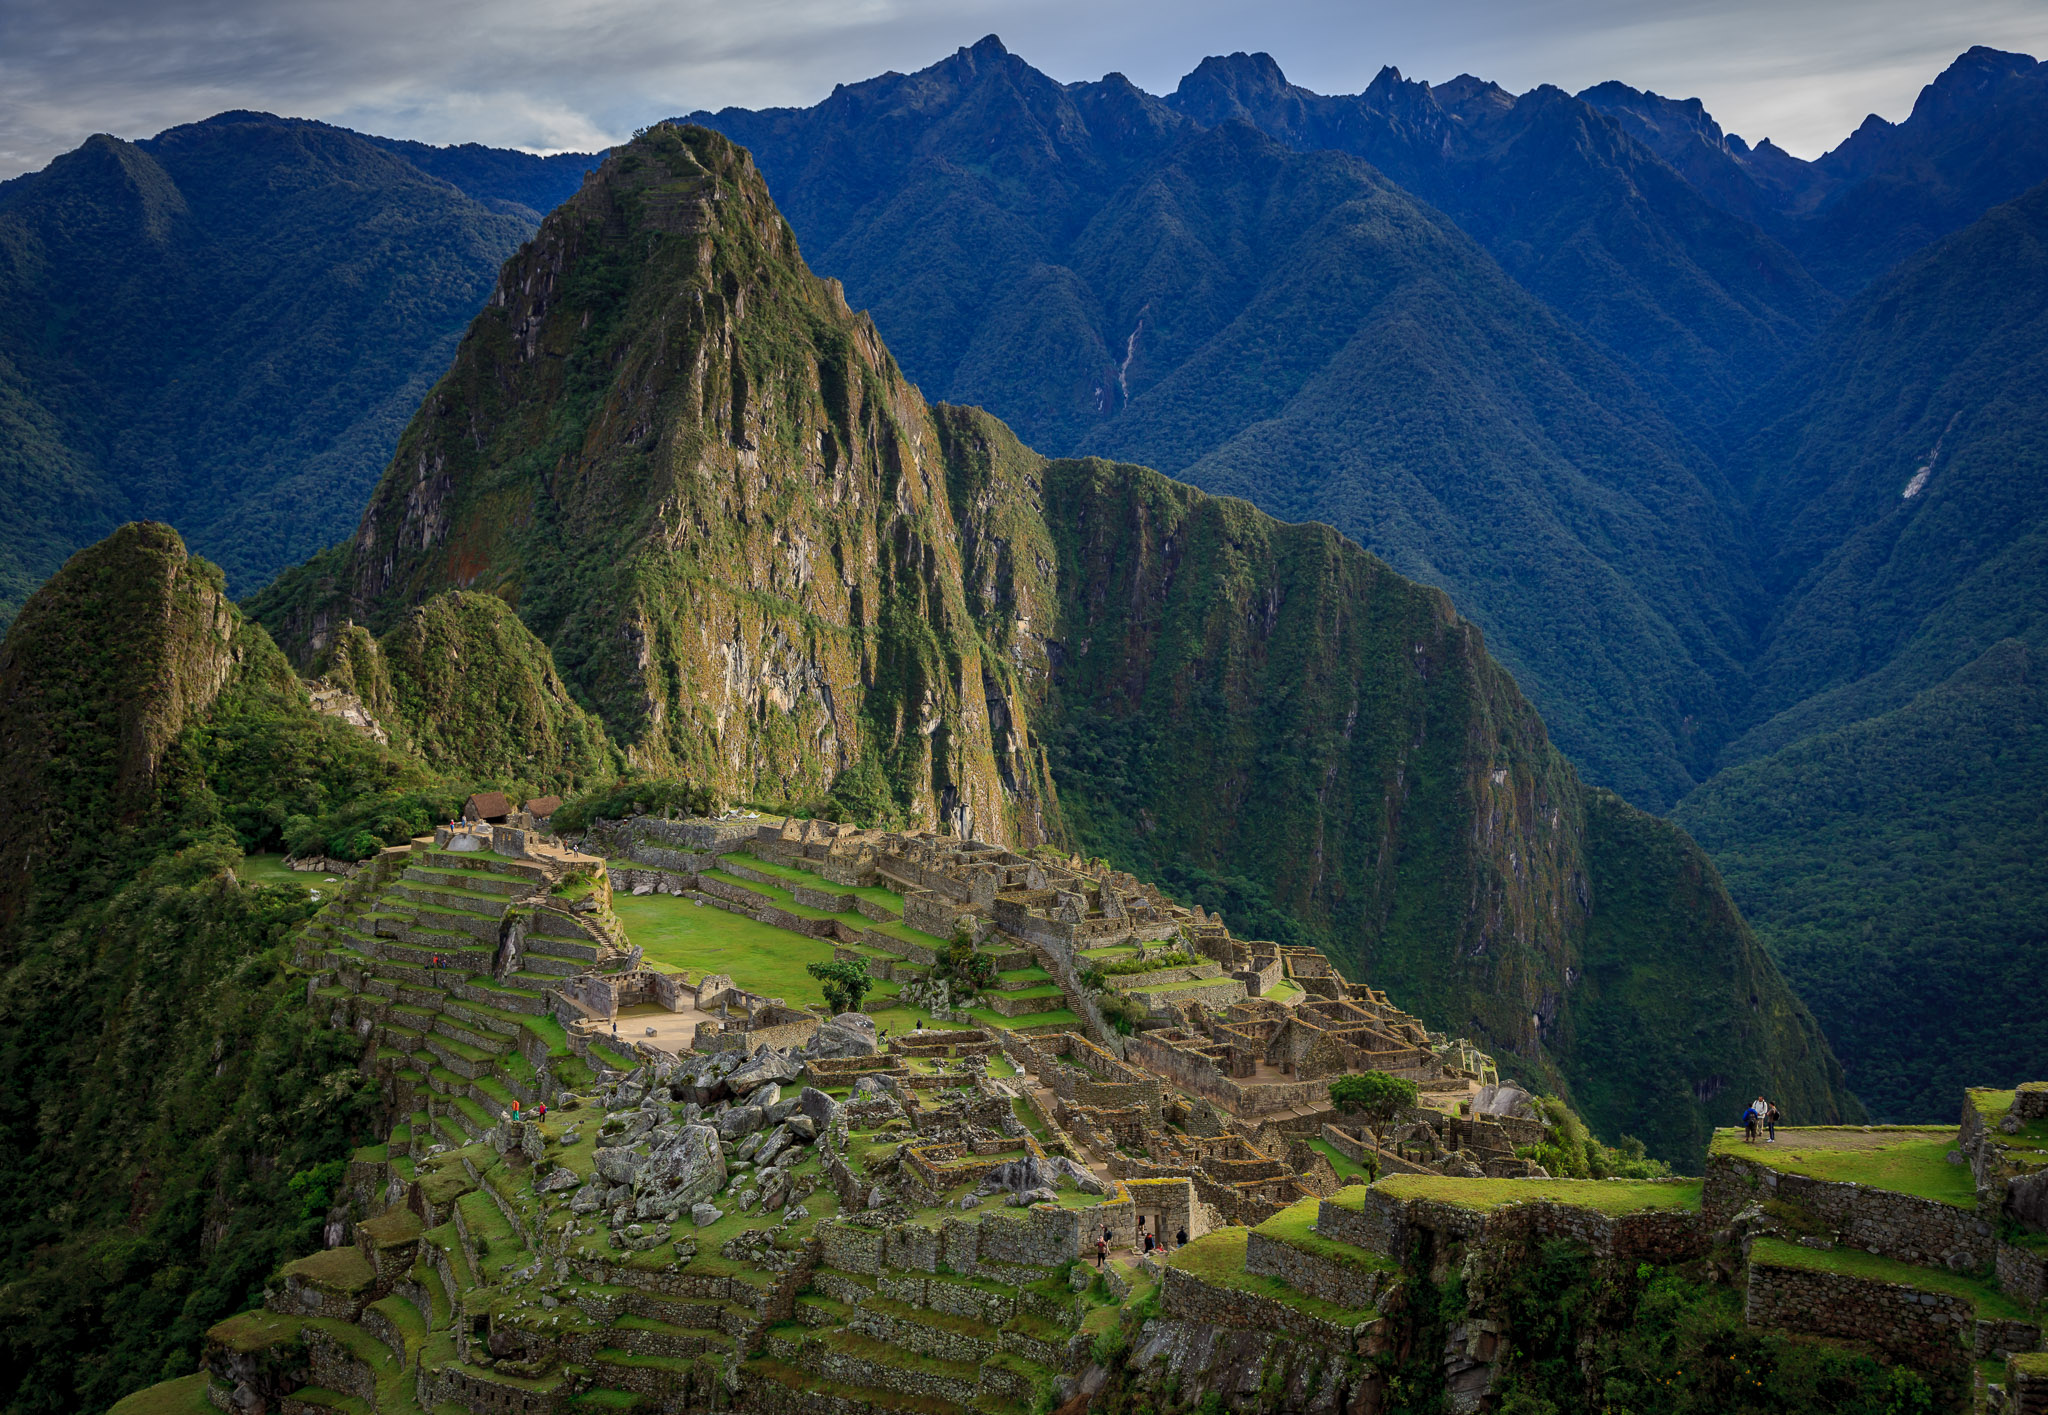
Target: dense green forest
(225,326)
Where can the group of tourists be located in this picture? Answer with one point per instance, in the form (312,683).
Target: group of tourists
(1143,1241)
(1761,1115)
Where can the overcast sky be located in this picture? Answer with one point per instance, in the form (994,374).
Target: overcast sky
(555,75)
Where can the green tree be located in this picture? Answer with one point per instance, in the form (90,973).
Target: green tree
(846,983)
(1375,1096)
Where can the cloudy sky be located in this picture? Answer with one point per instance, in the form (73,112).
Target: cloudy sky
(555,75)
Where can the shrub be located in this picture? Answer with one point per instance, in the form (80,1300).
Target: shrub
(845,983)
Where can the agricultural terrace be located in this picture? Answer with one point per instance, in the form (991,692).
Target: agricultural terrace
(1605,1196)
(1907,1159)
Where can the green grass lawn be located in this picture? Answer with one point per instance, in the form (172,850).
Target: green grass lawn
(1285,991)
(1218,1259)
(1907,1159)
(1295,1226)
(702,939)
(1852,1262)
(875,894)
(184,1396)
(1607,1196)
(901,1019)
(269,869)
(1348,1169)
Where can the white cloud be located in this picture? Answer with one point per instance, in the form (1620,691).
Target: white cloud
(576,74)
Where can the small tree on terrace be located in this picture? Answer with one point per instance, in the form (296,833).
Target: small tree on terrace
(845,983)
(1375,1097)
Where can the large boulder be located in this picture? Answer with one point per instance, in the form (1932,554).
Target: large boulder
(621,1164)
(738,1122)
(686,1172)
(848,1034)
(764,1066)
(764,1097)
(778,1140)
(821,1108)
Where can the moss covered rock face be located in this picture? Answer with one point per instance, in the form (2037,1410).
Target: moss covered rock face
(760,559)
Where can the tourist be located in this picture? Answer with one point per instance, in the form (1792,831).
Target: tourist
(1180,1238)
(1148,1245)
(1101,1252)
(1749,1125)
(1771,1120)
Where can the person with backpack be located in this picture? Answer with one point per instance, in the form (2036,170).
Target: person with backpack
(1749,1125)
(1771,1120)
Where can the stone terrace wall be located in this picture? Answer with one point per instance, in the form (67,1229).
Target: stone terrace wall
(1385,1224)
(1901,1226)
(1332,1279)
(1187,1298)
(2022,1274)
(1926,1329)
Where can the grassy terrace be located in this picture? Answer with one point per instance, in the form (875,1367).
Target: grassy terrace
(1348,1170)
(704,939)
(1851,1262)
(874,894)
(1606,1196)
(269,869)
(184,1396)
(783,899)
(1218,1259)
(1295,1226)
(1907,1159)
(1993,1107)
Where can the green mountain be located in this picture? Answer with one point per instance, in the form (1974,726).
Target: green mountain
(1114,277)
(768,566)
(175,1119)
(1876,816)
(223,327)
(1898,870)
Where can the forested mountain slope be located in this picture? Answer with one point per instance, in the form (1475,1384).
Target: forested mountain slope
(749,543)
(1880,818)
(225,327)
(1114,276)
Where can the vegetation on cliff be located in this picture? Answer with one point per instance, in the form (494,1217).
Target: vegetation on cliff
(174,1117)
(776,574)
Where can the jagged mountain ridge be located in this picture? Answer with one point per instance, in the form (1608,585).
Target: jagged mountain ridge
(1113,276)
(664,430)
(1977,136)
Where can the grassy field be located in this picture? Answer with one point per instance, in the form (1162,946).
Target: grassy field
(1295,1226)
(703,939)
(874,894)
(1907,1159)
(1851,1262)
(1218,1258)
(1349,1170)
(184,1396)
(269,869)
(1607,1196)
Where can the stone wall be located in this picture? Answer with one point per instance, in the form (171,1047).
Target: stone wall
(2023,1274)
(1892,1225)
(1925,1329)
(1187,1298)
(1385,1225)
(1331,1279)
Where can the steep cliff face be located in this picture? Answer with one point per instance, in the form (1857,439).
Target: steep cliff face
(104,669)
(768,565)
(701,479)
(464,684)
(1273,722)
